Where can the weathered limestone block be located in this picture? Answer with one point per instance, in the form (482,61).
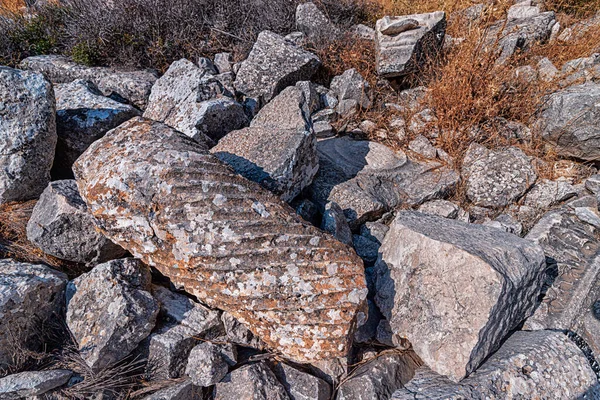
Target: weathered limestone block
(455,290)
(223,238)
(27,134)
(403,43)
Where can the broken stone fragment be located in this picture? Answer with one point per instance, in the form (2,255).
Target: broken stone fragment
(314,24)
(352,86)
(494,278)
(34,383)
(209,363)
(334,221)
(223,238)
(61,226)
(301,385)
(403,43)
(254,381)
(110,311)
(237,333)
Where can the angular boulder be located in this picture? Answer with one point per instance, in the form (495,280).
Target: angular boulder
(195,103)
(83,115)
(110,311)
(232,244)
(455,290)
(208,364)
(529,365)
(404,43)
(27,134)
(367,179)
(301,385)
(285,169)
(254,381)
(495,178)
(570,120)
(273,64)
(35,383)
(313,23)
(29,294)
(61,226)
(129,86)
(352,86)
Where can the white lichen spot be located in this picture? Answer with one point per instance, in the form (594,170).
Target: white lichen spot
(314,241)
(260,209)
(235,261)
(219,200)
(293,256)
(332,269)
(282,238)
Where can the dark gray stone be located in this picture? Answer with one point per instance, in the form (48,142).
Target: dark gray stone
(179,391)
(26,384)
(334,221)
(208,363)
(254,381)
(352,86)
(301,385)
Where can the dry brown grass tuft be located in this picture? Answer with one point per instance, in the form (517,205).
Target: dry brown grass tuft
(14,243)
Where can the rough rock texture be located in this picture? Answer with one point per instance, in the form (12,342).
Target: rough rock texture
(60,225)
(207,364)
(548,193)
(442,208)
(403,50)
(251,382)
(287,167)
(25,384)
(301,385)
(28,294)
(83,115)
(132,86)
(189,100)
(572,286)
(224,239)
(366,179)
(571,121)
(421,274)
(110,311)
(273,64)
(381,377)
(183,323)
(334,221)
(27,134)
(237,333)
(313,23)
(529,365)
(180,391)
(495,178)
(352,86)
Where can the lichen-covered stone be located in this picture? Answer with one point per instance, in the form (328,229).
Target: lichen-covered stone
(251,382)
(83,115)
(60,225)
(131,86)
(223,238)
(274,64)
(27,134)
(34,383)
(403,43)
(495,178)
(195,103)
(238,333)
(287,168)
(313,23)
(441,208)
(29,294)
(455,290)
(110,311)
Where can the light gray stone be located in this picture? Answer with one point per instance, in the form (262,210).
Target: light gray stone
(208,363)
(223,62)
(29,294)
(313,23)
(207,66)
(287,168)
(60,225)
(441,208)
(402,51)
(27,134)
(352,86)
(523,10)
(323,129)
(430,264)
(363,32)
(180,391)
(83,115)
(570,120)
(546,70)
(424,123)
(593,184)
(422,146)
(110,311)
(334,221)
(194,103)
(547,193)
(495,178)
(529,365)
(35,383)
(301,385)
(507,223)
(254,381)
(274,64)
(131,86)
(367,179)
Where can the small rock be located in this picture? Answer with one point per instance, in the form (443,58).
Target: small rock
(312,22)
(523,10)
(296,38)
(424,123)
(254,381)
(301,385)
(334,221)
(223,62)
(27,384)
(323,129)
(391,27)
(441,208)
(363,32)
(421,145)
(593,184)
(27,134)
(352,86)
(453,340)
(110,311)
(327,115)
(60,225)
(366,248)
(206,66)
(237,333)
(546,70)
(507,223)
(179,391)
(208,364)
(274,64)
(29,294)
(546,193)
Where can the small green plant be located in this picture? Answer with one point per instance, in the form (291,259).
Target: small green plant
(84,53)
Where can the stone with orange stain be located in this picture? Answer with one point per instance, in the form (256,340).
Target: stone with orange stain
(223,238)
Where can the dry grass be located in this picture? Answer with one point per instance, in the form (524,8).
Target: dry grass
(11,6)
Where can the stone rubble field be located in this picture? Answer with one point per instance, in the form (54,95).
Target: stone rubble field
(234,245)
